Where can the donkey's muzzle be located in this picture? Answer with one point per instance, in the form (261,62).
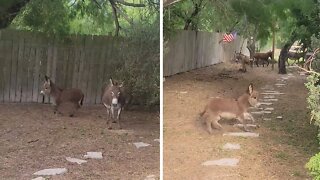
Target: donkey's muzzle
(42,92)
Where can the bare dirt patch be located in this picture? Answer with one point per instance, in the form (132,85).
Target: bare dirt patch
(281,150)
(33,138)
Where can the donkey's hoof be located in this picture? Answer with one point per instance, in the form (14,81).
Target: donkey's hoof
(71,115)
(114,121)
(109,127)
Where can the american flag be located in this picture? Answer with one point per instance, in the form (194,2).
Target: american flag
(229,37)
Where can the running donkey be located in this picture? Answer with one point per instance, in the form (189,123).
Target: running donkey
(219,108)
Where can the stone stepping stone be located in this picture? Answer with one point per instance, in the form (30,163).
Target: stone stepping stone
(242,134)
(157,140)
(267,100)
(265,103)
(39,178)
(271,93)
(51,172)
(279,117)
(222,162)
(267,119)
(261,112)
(230,146)
(151,177)
(75,160)
(183,92)
(121,131)
(241,125)
(280,84)
(257,112)
(93,155)
(269,109)
(141,144)
(255,108)
(268,97)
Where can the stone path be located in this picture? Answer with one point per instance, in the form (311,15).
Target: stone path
(270,94)
(88,155)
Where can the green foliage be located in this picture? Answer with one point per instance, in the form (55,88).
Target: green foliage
(314,166)
(62,17)
(141,68)
(313,100)
(51,17)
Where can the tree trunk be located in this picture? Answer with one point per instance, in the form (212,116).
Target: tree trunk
(251,45)
(273,44)
(196,11)
(283,58)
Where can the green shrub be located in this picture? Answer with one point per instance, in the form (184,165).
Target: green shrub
(314,166)
(313,100)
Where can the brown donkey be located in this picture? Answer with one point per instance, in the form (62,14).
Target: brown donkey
(243,59)
(113,99)
(69,97)
(264,57)
(219,108)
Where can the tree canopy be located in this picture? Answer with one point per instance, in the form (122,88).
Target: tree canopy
(78,16)
(293,20)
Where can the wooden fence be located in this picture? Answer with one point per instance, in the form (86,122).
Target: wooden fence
(84,62)
(191,50)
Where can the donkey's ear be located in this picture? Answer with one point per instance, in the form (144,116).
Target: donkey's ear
(121,84)
(47,79)
(111,81)
(250,88)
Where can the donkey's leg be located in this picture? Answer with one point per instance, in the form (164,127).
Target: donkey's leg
(109,118)
(215,122)
(243,121)
(249,116)
(108,115)
(118,118)
(55,109)
(208,124)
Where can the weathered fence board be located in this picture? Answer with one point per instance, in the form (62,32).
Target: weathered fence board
(190,50)
(85,62)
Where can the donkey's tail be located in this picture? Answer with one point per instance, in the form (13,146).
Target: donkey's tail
(200,115)
(81,101)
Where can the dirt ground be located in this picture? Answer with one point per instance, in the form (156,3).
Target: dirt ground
(33,138)
(281,150)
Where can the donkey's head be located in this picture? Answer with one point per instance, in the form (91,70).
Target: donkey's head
(236,57)
(46,87)
(115,92)
(269,54)
(253,96)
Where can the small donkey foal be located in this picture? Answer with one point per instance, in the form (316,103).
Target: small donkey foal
(219,108)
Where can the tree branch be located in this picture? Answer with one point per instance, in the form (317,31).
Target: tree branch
(115,16)
(124,15)
(129,4)
(95,1)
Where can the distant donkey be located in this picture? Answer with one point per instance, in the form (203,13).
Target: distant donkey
(264,57)
(113,98)
(243,59)
(67,98)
